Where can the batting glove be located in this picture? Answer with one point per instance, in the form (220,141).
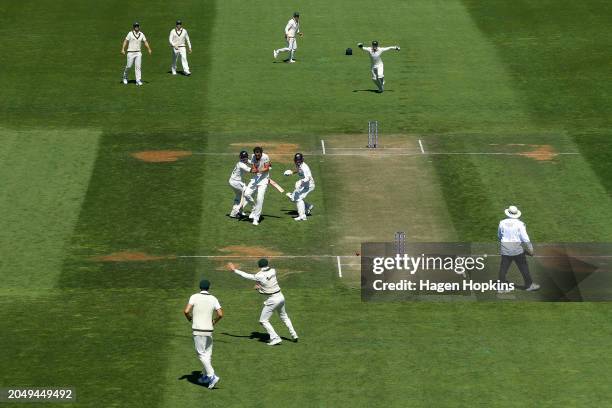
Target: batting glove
(288,172)
(360,45)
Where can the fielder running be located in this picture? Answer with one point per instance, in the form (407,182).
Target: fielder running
(261,167)
(199,311)
(179,41)
(378,69)
(303,187)
(266,284)
(133,39)
(236,183)
(291,30)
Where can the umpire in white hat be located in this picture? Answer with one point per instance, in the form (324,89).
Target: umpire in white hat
(514,245)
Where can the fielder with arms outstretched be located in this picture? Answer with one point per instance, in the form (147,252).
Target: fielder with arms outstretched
(302,187)
(267,285)
(378,69)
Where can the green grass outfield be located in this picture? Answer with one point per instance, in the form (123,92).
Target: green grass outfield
(473,78)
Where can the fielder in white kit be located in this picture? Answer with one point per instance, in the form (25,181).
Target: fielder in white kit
(303,187)
(133,40)
(200,311)
(180,43)
(378,69)
(261,167)
(236,183)
(291,30)
(267,284)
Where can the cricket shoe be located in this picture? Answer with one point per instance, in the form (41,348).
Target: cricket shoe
(533,287)
(309,209)
(187,73)
(125,81)
(213,381)
(251,216)
(139,83)
(275,53)
(274,342)
(300,218)
(255,222)
(204,379)
(291,61)
(294,339)
(173,72)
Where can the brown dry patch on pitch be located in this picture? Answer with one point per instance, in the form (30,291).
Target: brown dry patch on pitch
(278,152)
(161,156)
(541,153)
(127,256)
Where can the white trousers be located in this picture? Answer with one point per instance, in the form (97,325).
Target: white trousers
(135,59)
(378,71)
(298,196)
(272,303)
(291,47)
(204,347)
(182,52)
(261,188)
(238,187)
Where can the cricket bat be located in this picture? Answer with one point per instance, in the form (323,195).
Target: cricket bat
(276,186)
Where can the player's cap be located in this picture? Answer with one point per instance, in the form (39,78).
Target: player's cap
(244,155)
(374,43)
(296,14)
(179,22)
(204,284)
(262,263)
(136,24)
(298,158)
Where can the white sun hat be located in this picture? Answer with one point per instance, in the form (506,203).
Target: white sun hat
(513,212)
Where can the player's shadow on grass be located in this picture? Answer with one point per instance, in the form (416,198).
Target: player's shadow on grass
(178,72)
(133,81)
(262,337)
(193,378)
(371,90)
(261,218)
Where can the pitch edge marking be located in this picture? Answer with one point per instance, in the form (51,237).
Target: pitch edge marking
(323,146)
(421,146)
(339,267)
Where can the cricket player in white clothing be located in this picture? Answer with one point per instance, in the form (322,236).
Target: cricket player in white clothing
(200,310)
(236,183)
(133,40)
(267,284)
(378,69)
(292,29)
(180,43)
(303,187)
(259,183)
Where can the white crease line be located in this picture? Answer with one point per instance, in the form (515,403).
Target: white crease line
(260,256)
(421,146)
(373,153)
(339,267)
(323,146)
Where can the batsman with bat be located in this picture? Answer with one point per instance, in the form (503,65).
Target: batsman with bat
(236,183)
(303,187)
(261,168)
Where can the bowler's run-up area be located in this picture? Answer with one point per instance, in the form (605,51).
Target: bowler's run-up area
(442,239)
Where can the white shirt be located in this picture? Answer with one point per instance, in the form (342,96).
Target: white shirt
(292,28)
(134,40)
(239,170)
(204,304)
(375,55)
(512,234)
(260,164)
(305,174)
(265,278)
(178,38)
